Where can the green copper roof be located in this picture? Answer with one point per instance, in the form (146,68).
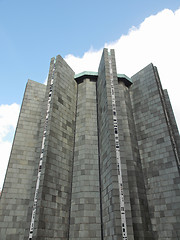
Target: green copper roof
(94,75)
(124,76)
(85,73)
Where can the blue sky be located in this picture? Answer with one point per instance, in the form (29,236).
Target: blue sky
(31,32)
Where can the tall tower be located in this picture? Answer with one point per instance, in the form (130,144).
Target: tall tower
(95,156)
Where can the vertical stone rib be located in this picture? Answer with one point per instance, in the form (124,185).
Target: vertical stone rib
(139,207)
(68,236)
(99,161)
(41,156)
(53,214)
(85,210)
(173,141)
(114,199)
(109,181)
(118,157)
(161,175)
(16,195)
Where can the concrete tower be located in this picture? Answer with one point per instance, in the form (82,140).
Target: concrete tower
(95,157)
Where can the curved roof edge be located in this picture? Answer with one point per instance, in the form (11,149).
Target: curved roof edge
(127,81)
(85,73)
(94,75)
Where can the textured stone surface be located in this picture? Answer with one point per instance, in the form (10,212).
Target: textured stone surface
(109,183)
(82,184)
(157,156)
(54,203)
(110,190)
(85,203)
(131,159)
(17,188)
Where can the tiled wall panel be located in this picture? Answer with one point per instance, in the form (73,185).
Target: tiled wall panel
(16,193)
(158,158)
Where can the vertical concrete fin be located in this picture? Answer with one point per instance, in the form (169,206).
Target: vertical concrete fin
(168,119)
(85,202)
(41,157)
(17,188)
(172,120)
(158,159)
(55,186)
(114,220)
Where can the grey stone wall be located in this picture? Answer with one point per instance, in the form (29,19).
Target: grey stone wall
(172,122)
(132,164)
(157,156)
(85,202)
(110,166)
(125,155)
(55,186)
(112,226)
(109,187)
(16,193)
(33,182)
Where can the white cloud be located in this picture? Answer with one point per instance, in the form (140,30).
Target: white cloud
(45,82)
(89,60)
(8,120)
(5,148)
(156,40)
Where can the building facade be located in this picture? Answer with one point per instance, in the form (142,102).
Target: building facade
(95,156)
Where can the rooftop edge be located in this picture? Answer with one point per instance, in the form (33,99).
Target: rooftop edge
(94,75)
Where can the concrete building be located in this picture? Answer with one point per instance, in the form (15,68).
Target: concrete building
(95,157)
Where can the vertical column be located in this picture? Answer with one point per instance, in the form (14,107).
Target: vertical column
(118,157)
(158,158)
(130,155)
(53,205)
(114,200)
(168,119)
(85,204)
(172,121)
(41,154)
(16,193)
